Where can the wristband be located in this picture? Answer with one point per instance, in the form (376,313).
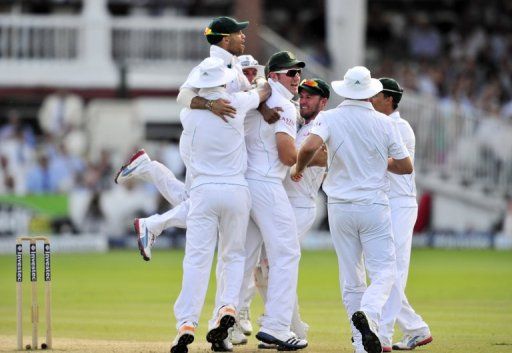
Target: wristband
(209,105)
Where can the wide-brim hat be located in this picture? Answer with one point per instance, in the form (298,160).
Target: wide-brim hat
(357,84)
(211,72)
(248,62)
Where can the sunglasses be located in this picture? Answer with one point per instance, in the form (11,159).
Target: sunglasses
(289,72)
(309,83)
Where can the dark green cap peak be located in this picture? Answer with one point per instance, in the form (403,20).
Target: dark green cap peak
(283,60)
(224,26)
(221,27)
(315,86)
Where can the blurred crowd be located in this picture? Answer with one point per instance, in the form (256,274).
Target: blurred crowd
(454,50)
(459,52)
(56,161)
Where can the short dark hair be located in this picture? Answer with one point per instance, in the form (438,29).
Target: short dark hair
(386,95)
(391,88)
(214,39)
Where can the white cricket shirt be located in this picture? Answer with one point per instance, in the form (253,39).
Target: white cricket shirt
(217,149)
(304,192)
(403,187)
(359,141)
(239,84)
(260,137)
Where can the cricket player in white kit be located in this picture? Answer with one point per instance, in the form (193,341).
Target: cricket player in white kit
(227,41)
(359,142)
(271,150)
(314,94)
(219,203)
(404,210)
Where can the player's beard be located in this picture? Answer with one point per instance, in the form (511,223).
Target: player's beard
(312,113)
(237,49)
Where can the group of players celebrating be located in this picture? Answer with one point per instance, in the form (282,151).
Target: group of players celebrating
(257,145)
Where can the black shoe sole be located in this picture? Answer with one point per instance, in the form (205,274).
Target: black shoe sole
(183,342)
(371,342)
(220,333)
(281,345)
(262,346)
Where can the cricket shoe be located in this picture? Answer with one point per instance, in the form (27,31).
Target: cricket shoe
(185,337)
(386,344)
(237,336)
(244,320)
(132,168)
(145,239)
(411,341)
(367,328)
(285,341)
(222,346)
(226,318)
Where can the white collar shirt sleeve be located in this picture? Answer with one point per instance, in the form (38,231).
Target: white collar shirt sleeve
(320,127)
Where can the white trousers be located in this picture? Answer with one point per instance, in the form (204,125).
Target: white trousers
(177,193)
(172,189)
(273,224)
(397,307)
(175,217)
(304,217)
(359,230)
(214,209)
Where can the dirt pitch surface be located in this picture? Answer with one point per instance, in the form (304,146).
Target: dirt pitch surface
(8,344)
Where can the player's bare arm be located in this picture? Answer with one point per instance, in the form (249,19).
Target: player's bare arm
(320,158)
(270,115)
(286,149)
(306,153)
(220,107)
(188,98)
(400,166)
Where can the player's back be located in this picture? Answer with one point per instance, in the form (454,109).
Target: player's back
(358,148)
(217,148)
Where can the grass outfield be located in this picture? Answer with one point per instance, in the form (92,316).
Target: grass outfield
(116,302)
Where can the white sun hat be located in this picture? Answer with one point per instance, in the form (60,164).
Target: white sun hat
(357,84)
(247,62)
(211,72)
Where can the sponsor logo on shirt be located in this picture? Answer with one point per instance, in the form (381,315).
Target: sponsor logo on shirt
(288,121)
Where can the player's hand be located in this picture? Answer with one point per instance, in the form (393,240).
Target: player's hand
(295,175)
(223,109)
(270,115)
